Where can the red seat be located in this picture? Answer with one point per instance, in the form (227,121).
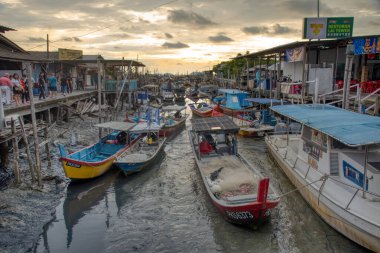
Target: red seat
(205,147)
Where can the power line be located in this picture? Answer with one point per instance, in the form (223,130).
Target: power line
(101,29)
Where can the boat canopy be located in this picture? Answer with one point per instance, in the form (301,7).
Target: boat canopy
(232,91)
(351,128)
(264,101)
(116,125)
(143,127)
(171,108)
(214,124)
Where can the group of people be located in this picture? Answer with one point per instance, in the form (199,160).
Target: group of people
(14,88)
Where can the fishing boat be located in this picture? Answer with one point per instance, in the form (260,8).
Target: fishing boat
(232,101)
(147,149)
(98,158)
(208,91)
(201,109)
(179,92)
(173,119)
(166,93)
(257,121)
(334,161)
(237,188)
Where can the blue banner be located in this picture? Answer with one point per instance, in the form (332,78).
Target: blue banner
(366,45)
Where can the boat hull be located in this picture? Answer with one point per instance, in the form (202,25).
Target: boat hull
(201,114)
(336,221)
(169,130)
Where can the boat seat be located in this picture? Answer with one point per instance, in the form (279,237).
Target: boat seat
(205,147)
(242,198)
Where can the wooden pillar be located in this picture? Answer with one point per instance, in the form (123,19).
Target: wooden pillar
(99,95)
(47,148)
(278,84)
(336,66)
(48,116)
(15,154)
(34,124)
(29,156)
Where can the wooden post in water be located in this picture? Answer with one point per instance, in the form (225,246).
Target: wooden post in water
(34,124)
(47,148)
(15,154)
(29,156)
(99,95)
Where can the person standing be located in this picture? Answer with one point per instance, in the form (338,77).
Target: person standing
(64,85)
(5,87)
(41,86)
(17,89)
(25,89)
(52,85)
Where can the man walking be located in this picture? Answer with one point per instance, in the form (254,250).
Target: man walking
(5,87)
(52,85)
(41,86)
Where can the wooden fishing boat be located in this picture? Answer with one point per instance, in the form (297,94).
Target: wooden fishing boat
(173,119)
(201,109)
(232,101)
(144,152)
(335,162)
(98,158)
(237,189)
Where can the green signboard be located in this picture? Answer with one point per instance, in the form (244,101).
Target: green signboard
(328,28)
(339,27)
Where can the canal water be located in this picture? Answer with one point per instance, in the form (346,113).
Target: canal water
(166,209)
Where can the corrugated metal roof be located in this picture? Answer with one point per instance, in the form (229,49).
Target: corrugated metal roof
(143,127)
(173,108)
(266,101)
(214,124)
(232,91)
(350,128)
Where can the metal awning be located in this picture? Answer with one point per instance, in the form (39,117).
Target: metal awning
(265,101)
(351,128)
(171,108)
(116,125)
(214,124)
(143,127)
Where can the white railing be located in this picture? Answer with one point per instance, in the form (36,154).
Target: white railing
(337,91)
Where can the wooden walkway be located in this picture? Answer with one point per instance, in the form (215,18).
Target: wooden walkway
(48,103)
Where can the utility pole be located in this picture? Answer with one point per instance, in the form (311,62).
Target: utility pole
(347,76)
(318,9)
(47,46)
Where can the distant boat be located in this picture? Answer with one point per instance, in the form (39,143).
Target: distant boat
(173,120)
(239,191)
(144,152)
(258,120)
(232,101)
(333,158)
(98,158)
(201,109)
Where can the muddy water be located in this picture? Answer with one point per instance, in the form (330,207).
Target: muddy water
(166,209)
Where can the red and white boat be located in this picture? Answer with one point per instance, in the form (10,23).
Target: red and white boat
(174,119)
(201,109)
(239,191)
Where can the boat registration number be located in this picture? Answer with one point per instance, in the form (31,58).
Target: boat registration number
(73,165)
(239,215)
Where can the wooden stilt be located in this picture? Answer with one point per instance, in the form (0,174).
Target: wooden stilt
(29,156)
(34,123)
(47,146)
(15,154)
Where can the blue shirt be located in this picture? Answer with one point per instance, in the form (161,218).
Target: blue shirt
(52,81)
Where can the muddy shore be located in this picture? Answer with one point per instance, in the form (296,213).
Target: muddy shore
(26,208)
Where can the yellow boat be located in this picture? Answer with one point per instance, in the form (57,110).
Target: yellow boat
(95,160)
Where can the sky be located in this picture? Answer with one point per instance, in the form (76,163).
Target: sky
(178,36)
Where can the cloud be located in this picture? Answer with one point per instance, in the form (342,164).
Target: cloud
(374,23)
(189,18)
(67,39)
(120,35)
(254,30)
(36,39)
(278,29)
(76,39)
(177,45)
(220,38)
(168,36)
(305,7)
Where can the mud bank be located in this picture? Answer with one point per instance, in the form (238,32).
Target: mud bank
(26,208)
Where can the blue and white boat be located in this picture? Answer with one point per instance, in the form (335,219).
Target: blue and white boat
(146,151)
(232,101)
(334,161)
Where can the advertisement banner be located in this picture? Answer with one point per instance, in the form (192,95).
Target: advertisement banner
(368,45)
(294,54)
(328,28)
(69,54)
(315,28)
(339,27)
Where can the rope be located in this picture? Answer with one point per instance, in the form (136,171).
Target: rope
(323,178)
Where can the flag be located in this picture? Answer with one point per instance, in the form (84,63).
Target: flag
(157,116)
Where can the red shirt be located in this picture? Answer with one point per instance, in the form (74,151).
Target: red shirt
(5,81)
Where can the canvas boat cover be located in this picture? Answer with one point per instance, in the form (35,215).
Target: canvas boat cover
(171,108)
(116,125)
(351,128)
(143,127)
(214,124)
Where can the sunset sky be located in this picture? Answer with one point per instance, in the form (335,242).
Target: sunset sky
(173,36)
